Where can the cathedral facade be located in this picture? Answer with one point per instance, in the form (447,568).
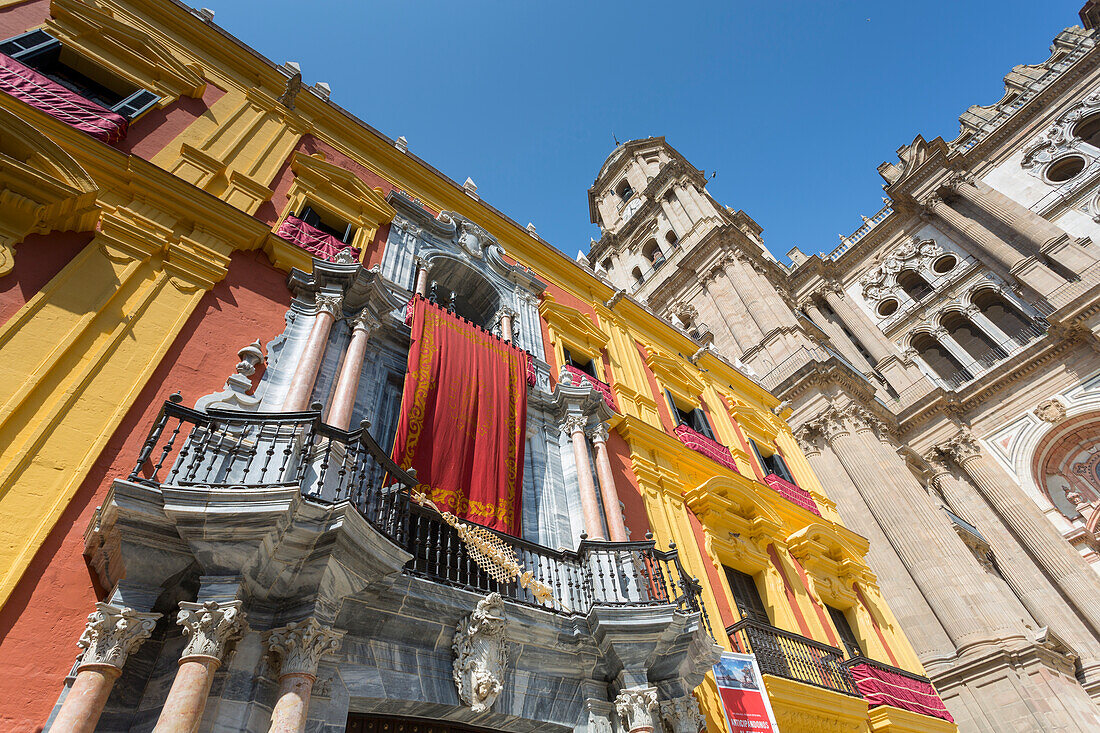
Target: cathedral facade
(941,366)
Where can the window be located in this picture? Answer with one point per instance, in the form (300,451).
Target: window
(746,596)
(915,286)
(694,418)
(625,191)
(327,223)
(1088,130)
(944,264)
(636,273)
(49,57)
(772,463)
(671,238)
(888,307)
(652,252)
(1062,170)
(579,362)
(848,638)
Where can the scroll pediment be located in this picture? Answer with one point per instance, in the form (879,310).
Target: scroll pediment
(573,324)
(911,157)
(673,375)
(342,190)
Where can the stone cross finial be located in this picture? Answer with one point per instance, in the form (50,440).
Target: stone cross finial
(212,626)
(681,715)
(113,633)
(299,646)
(635,706)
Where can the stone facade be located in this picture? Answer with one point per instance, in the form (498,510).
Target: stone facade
(940,368)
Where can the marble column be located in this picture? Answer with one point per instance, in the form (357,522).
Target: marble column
(298,648)
(963,226)
(507,316)
(305,372)
(740,275)
(1077,581)
(688,202)
(673,222)
(876,343)
(974,313)
(590,505)
(213,627)
(964,357)
(347,382)
(836,334)
(1031,228)
(680,212)
(949,577)
(730,305)
(110,636)
(635,706)
(1039,597)
(422,270)
(612,512)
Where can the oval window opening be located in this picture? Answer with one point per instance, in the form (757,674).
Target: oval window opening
(887,307)
(1065,169)
(944,264)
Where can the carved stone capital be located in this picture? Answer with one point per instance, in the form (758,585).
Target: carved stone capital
(211,626)
(113,633)
(573,423)
(365,321)
(807,437)
(937,463)
(481,654)
(958,179)
(635,706)
(682,715)
(299,646)
(932,203)
(599,433)
(829,424)
(963,447)
(331,304)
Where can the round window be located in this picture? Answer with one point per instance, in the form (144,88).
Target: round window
(944,264)
(887,307)
(1062,170)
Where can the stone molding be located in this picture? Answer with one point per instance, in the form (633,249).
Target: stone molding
(682,715)
(481,654)
(572,423)
(112,633)
(599,433)
(212,626)
(635,706)
(298,647)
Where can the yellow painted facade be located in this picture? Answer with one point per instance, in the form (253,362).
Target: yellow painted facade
(79,351)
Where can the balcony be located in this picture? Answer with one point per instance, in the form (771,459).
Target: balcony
(792,493)
(881,684)
(709,447)
(583,377)
(320,244)
(246,451)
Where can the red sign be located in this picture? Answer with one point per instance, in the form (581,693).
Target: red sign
(464,418)
(744,699)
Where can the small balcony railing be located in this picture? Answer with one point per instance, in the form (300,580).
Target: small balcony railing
(231,450)
(580,376)
(882,684)
(320,244)
(791,656)
(709,447)
(792,493)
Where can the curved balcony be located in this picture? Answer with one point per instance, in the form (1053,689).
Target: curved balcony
(222,449)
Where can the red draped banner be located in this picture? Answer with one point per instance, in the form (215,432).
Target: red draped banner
(464,418)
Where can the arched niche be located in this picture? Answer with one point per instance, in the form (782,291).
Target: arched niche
(1066,461)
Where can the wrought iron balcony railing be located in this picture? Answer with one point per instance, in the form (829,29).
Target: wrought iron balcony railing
(791,656)
(252,450)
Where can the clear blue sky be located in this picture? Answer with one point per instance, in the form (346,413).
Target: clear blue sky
(793,103)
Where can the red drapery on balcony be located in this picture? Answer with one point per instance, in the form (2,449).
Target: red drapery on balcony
(319,244)
(792,492)
(45,94)
(883,687)
(603,388)
(464,418)
(702,444)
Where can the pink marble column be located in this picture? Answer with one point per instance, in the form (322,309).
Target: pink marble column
(110,636)
(506,324)
(615,526)
(347,383)
(590,505)
(305,373)
(422,278)
(299,647)
(212,628)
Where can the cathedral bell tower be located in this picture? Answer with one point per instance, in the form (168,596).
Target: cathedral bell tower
(703,266)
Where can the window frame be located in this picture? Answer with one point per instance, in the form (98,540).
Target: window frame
(770,463)
(745,593)
(695,418)
(849,640)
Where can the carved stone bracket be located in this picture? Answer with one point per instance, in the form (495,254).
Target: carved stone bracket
(635,706)
(682,715)
(211,626)
(481,654)
(113,633)
(298,647)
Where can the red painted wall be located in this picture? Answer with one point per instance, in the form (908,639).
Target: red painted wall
(22,18)
(37,259)
(158,127)
(40,624)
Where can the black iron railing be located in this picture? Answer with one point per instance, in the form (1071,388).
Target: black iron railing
(794,657)
(232,449)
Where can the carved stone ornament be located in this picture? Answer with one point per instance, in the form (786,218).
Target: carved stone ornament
(299,646)
(573,423)
(112,633)
(635,706)
(330,304)
(1059,137)
(682,715)
(364,321)
(291,90)
(481,654)
(1052,410)
(963,447)
(879,280)
(211,626)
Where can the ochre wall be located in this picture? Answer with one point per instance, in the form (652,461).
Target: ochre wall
(45,615)
(37,259)
(151,132)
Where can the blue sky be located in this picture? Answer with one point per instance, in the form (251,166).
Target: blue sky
(794,104)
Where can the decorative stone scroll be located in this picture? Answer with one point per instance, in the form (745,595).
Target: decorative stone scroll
(878,281)
(211,626)
(481,654)
(113,633)
(635,706)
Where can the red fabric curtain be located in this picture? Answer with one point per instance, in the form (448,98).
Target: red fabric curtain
(319,244)
(41,92)
(464,418)
(883,687)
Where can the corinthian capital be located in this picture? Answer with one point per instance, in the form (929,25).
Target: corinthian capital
(682,715)
(932,203)
(963,447)
(599,433)
(937,462)
(635,706)
(299,646)
(113,633)
(212,626)
(364,321)
(330,304)
(958,179)
(573,423)
(829,424)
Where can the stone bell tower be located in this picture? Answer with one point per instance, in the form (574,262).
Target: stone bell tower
(701,265)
